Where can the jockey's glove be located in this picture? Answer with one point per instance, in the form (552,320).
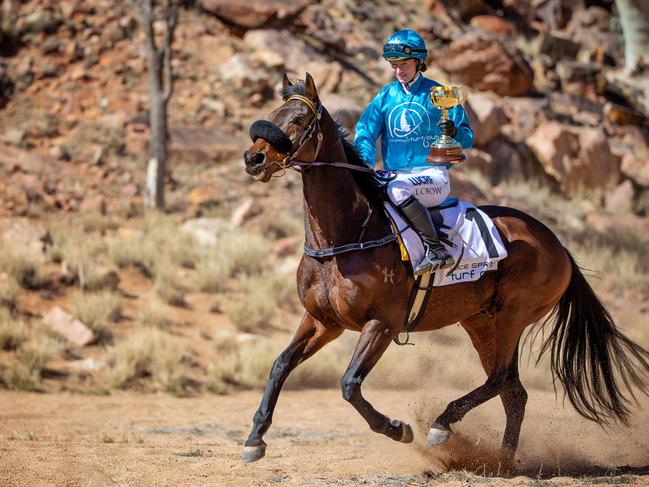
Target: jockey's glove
(447,127)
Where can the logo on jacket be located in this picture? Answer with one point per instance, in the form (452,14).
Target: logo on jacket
(408,121)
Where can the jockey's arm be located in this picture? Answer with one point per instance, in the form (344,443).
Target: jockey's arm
(464,133)
(368,130)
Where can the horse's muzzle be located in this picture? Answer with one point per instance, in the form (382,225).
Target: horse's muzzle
(254,162)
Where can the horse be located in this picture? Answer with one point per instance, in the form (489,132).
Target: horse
(343,288)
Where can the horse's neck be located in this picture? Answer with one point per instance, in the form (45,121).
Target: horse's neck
(334,206)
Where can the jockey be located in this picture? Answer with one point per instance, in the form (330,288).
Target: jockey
(403,116)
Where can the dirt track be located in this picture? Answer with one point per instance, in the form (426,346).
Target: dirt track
(316,439)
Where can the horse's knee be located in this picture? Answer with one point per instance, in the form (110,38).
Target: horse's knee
(349,387)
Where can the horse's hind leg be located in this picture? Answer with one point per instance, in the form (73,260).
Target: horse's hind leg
(514,400)
(310,337)
(374,340)
(497,346)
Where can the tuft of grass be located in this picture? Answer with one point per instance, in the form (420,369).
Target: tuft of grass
(284,225)
(183,251)
(97,310)
(135,250)
(24,436)
(107,439)
(24,373)
(9,289)
(155,316)
(12,333)
(247,252)
(20,265)
(212,272)
(168,288)
(149,353)
(248,365)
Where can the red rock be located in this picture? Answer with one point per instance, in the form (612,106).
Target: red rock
(620,199)
(254,13)
(494,25)
(487,64)
(486,117)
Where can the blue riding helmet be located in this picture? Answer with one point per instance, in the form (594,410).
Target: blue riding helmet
(405,44)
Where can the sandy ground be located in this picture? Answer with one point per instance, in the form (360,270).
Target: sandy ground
(316,439)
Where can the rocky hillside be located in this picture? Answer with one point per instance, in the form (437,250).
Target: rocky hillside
(549,98)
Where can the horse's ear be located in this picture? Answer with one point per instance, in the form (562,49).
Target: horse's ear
(309,86)
(286,82)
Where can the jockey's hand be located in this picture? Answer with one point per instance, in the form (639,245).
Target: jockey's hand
(447,127)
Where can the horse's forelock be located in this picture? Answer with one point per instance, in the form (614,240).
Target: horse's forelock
(297,88)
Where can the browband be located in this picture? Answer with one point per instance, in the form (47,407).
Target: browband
(305,100)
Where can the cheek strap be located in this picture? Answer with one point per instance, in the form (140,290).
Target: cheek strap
(271,133)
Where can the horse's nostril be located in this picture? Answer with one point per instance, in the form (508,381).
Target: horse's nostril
(255,158)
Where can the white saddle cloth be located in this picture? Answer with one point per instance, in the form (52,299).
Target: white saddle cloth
(477,243)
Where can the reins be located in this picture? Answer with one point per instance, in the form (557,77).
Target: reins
(300,166)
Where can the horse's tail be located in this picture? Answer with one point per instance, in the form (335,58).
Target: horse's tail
(595,362)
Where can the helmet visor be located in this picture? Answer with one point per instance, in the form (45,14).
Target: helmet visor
(401,51)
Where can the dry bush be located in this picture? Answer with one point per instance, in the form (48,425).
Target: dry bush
(20,264)
(97,310)
(9,289)
(155,316)
(255,305)
(212,272)
(149,353)
(168,287)
(96,222)
(135,250)
(24,373)
(248,365)
(283,225)
(184,251)
(13,333)
(247,252)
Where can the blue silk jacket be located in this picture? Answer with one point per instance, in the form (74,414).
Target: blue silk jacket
(407,125)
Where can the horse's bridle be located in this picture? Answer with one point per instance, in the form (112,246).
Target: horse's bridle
(313,128)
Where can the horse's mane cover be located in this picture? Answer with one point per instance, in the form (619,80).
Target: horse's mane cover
(271,133)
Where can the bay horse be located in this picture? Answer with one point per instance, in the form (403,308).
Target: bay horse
(596,364)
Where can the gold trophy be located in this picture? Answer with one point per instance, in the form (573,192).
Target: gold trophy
(445,149)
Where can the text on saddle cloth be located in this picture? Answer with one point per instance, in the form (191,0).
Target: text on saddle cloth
(476,243)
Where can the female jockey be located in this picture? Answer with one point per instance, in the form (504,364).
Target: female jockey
(403,116)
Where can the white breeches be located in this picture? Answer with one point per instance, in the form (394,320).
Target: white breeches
(430,185)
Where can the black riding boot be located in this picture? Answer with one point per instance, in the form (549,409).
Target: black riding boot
(437,257)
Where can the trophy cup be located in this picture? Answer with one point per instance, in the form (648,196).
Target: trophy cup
(445,149)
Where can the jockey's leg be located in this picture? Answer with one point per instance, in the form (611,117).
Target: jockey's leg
(437,257)
(414,192)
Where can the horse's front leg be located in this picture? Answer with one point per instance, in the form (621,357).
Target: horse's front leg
(374,340)
(310,337)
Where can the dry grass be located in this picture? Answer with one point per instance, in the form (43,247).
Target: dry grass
(247,252)
(20,265)
(247,364)
(9,289)
(24,372)
(97,311)
(284,225)
(135,250)
(212,272)
(256,304)
(155,316)
(168,287)
(13,333)
(145,354)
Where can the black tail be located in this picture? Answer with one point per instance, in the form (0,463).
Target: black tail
(597,365)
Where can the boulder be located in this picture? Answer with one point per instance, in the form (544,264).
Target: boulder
(246,76)
(343,109)
(577,159)
(464,189)
(556,45)
(486,116)
(485,63)
(506,161)
(496,26)
(254,14)
(294,51)
(69,327)
(245,211)
(636,167)
(478,160)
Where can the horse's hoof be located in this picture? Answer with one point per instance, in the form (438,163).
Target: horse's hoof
(253,453)
(406,433)
(437,435)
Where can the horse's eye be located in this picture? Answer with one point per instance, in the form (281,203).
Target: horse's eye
(298,120)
